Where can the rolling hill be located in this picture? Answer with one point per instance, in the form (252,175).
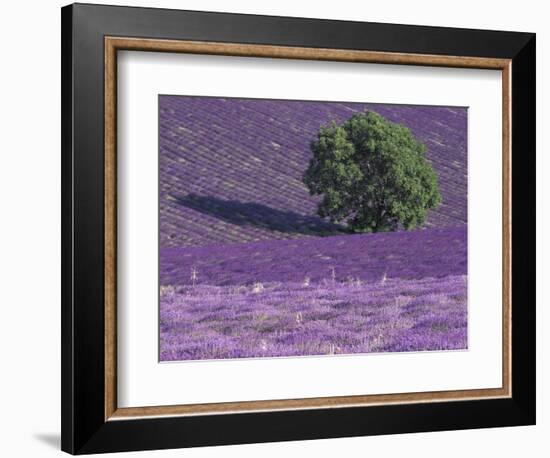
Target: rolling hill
(231,169)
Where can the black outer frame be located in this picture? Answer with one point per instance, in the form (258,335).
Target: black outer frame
(84,429)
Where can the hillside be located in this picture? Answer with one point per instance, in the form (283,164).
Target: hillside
(231,169)
(358,257)
(362,293)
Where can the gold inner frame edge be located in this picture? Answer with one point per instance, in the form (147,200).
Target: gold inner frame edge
(114,44)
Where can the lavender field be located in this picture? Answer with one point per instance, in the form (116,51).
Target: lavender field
(231,169)
(406,255)
(248,269)
(325,318)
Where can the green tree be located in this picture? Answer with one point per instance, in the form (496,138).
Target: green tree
(372,174)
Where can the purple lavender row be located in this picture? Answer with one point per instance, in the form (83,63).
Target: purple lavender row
(370,257)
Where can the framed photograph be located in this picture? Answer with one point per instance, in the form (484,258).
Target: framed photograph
(281,228)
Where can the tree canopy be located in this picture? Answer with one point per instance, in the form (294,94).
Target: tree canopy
(373,175)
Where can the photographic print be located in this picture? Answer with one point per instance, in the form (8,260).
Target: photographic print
(309,228)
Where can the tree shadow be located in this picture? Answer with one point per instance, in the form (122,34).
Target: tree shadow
(259,215)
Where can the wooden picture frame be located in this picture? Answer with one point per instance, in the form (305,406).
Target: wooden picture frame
(91,419)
